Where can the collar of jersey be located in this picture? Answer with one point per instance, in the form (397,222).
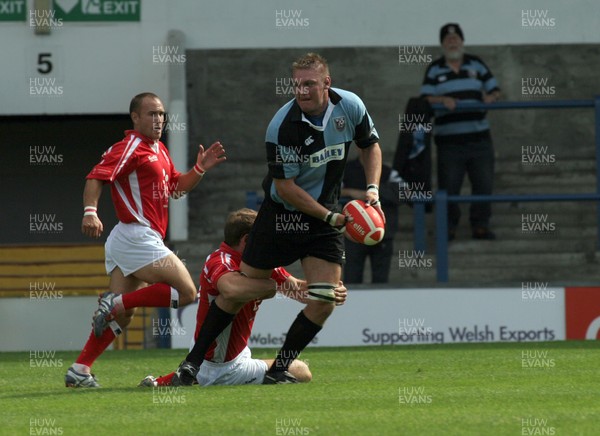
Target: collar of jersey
(148,141)
(328,112)
(298,115)
(227,249)
(466,61)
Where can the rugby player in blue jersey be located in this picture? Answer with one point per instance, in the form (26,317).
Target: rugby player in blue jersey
(307,144)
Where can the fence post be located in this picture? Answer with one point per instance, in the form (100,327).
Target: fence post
(597,140)
(441,235)
(164,339)
(419,226)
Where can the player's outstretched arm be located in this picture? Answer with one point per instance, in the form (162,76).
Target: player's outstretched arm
(372,164)
(91,225)
(205,161)
(297,289)
(290,192)
(237,287)
(294,289)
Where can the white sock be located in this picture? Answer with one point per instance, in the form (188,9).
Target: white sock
(81,368)
(118,301)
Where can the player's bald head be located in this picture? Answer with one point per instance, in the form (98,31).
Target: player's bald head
(238,224)
(138,100)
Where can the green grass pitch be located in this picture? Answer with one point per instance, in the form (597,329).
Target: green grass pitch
(547,388)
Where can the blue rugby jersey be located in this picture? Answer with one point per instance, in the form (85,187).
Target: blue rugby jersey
(468,84)
(315,155)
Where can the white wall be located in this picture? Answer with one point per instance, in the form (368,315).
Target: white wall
(369,317)
(100,66)
(411,317)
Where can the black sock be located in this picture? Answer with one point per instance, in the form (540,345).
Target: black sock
(215,322)
(301,332)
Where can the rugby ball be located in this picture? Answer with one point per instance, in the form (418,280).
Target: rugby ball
(366,226)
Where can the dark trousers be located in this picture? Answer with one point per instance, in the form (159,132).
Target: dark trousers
(356,255)
(476,159)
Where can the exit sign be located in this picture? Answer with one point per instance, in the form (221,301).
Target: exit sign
(13,10)
(97,10)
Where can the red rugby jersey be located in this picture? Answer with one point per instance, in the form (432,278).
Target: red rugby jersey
(230,343)
(142,178)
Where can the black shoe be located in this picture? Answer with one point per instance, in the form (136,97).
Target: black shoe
(278,378)
(483,233)
(185,374)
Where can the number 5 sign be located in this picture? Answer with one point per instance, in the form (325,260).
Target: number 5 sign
(44,61)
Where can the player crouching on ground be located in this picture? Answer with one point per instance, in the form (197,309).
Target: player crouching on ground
(228,360)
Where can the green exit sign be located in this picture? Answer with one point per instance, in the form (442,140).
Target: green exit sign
(13,10)
(97,10)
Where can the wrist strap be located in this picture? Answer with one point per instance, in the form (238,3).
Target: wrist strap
(199,170)
(90,211)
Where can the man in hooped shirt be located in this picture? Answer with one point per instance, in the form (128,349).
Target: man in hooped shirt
(463,139)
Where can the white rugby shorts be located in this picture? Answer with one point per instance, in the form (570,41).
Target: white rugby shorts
(243,370)
(133,246)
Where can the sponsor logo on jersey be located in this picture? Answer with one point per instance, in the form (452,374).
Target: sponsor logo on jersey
(331,152)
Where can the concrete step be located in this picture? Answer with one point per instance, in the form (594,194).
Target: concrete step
(548,181)
(519,165)
(520,260)
(563,269)
(470,246)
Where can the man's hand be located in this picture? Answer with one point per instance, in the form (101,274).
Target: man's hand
(490,98)
(91,226)
(449,103)
(214,155)
(337,221)
(372,199)
(340,294)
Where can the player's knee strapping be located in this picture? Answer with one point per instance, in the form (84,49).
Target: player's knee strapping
(322,291)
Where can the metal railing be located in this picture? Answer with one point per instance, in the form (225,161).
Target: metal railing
(441,199)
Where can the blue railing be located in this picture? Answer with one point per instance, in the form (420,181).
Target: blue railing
(441,199)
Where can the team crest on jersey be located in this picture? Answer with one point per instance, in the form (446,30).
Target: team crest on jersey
(340,123)
(153,158)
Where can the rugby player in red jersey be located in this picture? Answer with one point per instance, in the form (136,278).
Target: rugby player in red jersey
(143,271)
(228,360)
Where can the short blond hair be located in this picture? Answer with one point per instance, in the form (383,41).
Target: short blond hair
(311,61)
